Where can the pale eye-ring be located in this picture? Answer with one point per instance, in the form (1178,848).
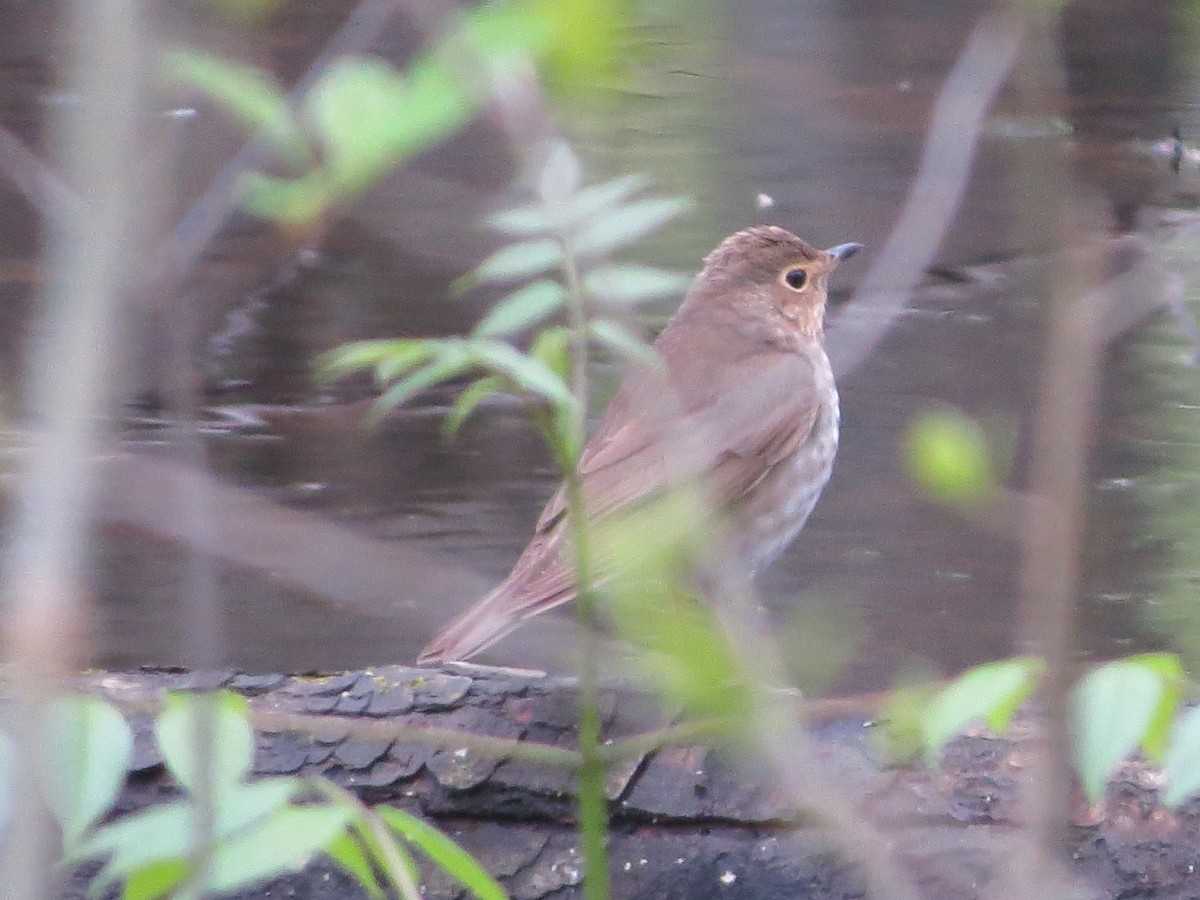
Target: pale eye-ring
(795,278)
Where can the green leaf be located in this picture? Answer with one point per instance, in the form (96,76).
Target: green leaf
(1170,670)
(168,832)
(623,226)
(616,338)
(146,838)
(521,260)
(86,761)
(506,35)
(681,645)
(295,201)
(388,358)
(247,94)
(405,355)
(526,372)
(467,401)
(1113,706)
(224,717)
(523,221)
(991,692)
(370,117)
(947,454)
(633,284)
(522,309)
(552,348)
(600,199)
(283,842)
(1182,765)
(443,852)
(155,880)
(451,362)
(347,851)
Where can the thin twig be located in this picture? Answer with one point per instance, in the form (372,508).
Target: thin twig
(938,187)
(37,181)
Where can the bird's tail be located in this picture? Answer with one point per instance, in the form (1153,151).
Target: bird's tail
(487,620)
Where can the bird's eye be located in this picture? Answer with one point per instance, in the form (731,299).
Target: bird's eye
(795,278)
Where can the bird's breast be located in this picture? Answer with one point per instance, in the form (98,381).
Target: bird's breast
(770,521)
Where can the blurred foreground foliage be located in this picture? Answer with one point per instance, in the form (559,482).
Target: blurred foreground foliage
(244,832)
(362,117)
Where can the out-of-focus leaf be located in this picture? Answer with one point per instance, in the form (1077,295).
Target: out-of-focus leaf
(389,358)
(624,225)
(991,692)
(599,199)
(467,402)
(162,834)
(527,372)
(295,201)
(633,284)
(616,338)
(1112,709)
(505,35)
(522,309)
(224,715)
(902,717)
(284,842)
(520,261)
(561,175)
(1183,760)
(452,361)
(588,42)
(444,853)
(523,221)
(404,356)
(86,761)
(155,880)
(149,837)
(552,347)
(370,117)
(681,646)
(247,94)
(1169,669)
(436,107)
(347,851)
(947,454)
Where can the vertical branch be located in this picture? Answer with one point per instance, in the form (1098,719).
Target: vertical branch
(1067,395)
(70,386)
(593,810)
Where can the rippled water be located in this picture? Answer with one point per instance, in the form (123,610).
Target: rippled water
(824,115)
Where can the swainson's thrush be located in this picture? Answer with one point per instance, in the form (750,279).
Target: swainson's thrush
(754,402)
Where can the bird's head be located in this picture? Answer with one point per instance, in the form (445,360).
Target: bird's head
(768,269)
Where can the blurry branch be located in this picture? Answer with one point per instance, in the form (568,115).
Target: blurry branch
(938,188)
(301,547)
(70,391)
(37,181)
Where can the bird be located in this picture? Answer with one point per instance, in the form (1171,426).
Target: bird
(754,408)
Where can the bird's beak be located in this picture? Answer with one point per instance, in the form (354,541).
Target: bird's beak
(843,252)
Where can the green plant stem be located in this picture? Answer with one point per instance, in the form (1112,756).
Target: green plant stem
(593,805)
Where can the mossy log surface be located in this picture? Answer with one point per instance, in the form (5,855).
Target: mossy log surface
(687,821)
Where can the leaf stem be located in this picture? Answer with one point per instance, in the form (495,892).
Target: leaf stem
(593,805)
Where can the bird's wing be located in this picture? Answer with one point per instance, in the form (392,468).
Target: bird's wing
(731,433)
(734,434)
